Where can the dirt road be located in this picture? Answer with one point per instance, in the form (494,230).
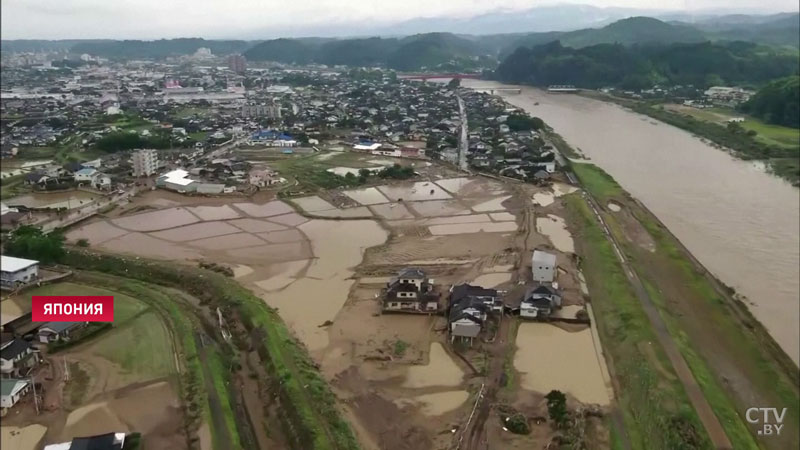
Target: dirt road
(712,425)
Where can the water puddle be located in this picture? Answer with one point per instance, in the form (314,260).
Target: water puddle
(548,358)
(614,207)
(544,198)
(555,229)
(441,370)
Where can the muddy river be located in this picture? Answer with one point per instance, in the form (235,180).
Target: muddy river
(740,222)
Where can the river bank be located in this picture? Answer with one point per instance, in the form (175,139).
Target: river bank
(738,221)
(735,362)
(782,161)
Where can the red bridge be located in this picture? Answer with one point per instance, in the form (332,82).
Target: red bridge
(434,76)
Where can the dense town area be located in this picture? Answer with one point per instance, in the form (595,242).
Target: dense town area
(341,258)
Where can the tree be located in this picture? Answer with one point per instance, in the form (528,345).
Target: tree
(557,407)
(522,122)
(30,242)
(455,83)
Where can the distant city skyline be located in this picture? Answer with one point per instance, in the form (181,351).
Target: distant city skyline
(263,19)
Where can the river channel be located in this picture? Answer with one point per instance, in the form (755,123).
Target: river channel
(739,221)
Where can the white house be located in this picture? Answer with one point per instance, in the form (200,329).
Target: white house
(543,266)
(539,302)
(85,174)
(101,181)
(16,271)
(15,357)
(12,390)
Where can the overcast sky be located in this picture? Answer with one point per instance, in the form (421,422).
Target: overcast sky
(152,19)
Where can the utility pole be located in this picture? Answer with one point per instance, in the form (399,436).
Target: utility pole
(35,398)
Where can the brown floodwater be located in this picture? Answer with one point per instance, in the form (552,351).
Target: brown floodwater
(740,222)
(392,211)
(368,196)
(549,358)
(555,229)
(214,212)
(464,228)
(157,220)
(70,200)
(196,231)
(255,225)
(268,209)
(435,208)
(441,370)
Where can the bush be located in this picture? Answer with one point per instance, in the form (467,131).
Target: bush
(400,348)
(517,423)
(83,242)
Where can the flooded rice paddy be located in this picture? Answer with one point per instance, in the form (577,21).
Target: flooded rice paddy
(441,370)
(69,200)
(555,229)
(548,358)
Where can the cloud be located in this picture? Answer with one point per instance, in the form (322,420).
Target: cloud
(152,19)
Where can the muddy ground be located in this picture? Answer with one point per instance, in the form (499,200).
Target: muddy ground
(401,382)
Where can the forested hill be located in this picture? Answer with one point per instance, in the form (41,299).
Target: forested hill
(422,51)
(642,66)
(778,102)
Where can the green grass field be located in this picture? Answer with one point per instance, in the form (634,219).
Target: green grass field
(669,270)
(769,134)
(140,346)
(653,402)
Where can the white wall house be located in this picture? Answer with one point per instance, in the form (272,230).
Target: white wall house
(12,390)
(543,266)
(16,271)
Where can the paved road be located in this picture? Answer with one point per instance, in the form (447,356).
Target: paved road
(712,425)
(463,142)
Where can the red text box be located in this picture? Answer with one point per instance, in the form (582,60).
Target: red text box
(72,308)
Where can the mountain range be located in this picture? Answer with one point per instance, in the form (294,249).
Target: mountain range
(445,50)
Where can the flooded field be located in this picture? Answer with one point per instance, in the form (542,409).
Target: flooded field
(441,370)
(214,212)
(436,208)
(313,204)
(495,204)
(69,200)
(368,196)
(550,358)
(555,229)
(415,192)
(25,438)
(392,211)
(196,231)
(157,220)
(274,208)
(491,280)
(464,228)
